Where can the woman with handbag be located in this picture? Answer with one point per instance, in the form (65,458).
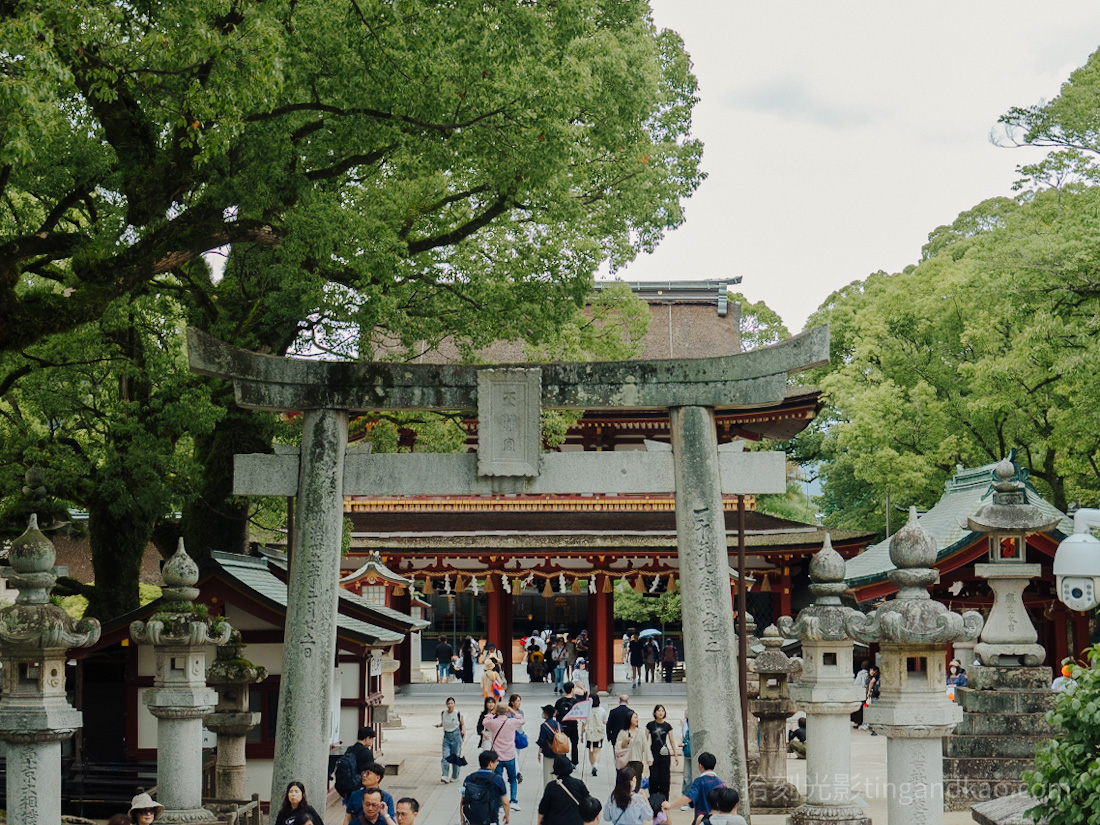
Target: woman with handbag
(561,800)
(662,749)
(624,806)
(632,750)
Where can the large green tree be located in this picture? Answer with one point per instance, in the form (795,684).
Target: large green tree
(988,344)
(378,175)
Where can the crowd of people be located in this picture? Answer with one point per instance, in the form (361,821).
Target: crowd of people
(643,760)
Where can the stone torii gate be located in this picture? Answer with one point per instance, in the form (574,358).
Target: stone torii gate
(508,401)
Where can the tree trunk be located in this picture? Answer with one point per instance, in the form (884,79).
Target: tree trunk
(118,546)
(215,520)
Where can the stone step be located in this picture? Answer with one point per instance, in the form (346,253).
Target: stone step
(1006,701)
(959,795)
(992,746)
(1010,678)
(1005,724)
(994,769)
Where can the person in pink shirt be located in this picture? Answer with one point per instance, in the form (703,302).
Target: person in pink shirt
(501,731)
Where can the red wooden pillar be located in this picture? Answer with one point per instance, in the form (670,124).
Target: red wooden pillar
(1058,635)
(498,620)
(785,592)
(601,630)
(1081,641)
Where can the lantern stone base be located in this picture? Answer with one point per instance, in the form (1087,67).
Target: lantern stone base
(828,815)
(1001,729)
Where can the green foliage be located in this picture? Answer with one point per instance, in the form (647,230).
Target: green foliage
(792,505)
(377,174)
(989,343)
(669,608)
(1066,779)
(760,325)
(631,606)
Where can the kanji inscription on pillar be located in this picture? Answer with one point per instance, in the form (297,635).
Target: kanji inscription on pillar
(508,433)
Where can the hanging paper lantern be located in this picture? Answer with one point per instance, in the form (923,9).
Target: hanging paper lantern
(576,588)
(671,584)
(547,590)
(607,588)
(460,584)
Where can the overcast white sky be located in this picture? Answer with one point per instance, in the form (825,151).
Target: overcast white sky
(839,134)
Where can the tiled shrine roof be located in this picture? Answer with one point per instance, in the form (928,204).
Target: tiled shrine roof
(964,494)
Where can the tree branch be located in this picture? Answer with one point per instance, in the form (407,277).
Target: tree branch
(349,163)
(496,209)
(68,586)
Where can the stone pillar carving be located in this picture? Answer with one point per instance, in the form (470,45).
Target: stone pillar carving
(709,639)
(231,675)
(309,649)
(913,710)
(828,694)
(34,712)
(179,633)
(770,788)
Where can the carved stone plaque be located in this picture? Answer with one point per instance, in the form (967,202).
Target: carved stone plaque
(508,433)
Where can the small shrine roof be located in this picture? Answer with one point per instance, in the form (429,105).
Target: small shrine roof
(381,613)
(254,573)
(964,494)
(373,571)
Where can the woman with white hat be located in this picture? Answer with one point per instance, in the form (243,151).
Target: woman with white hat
(581,677)
(144,809)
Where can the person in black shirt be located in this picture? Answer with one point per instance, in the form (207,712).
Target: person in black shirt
(561,799)
(570,727)
(363,748)
(443,655)
(663,749)
(618,719)
(296,809)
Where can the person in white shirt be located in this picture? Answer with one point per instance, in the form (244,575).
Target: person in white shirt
(594,728)
(454,731)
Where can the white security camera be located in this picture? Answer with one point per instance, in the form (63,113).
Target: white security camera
(1077,563)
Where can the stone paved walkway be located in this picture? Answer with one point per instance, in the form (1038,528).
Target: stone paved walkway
(418,746)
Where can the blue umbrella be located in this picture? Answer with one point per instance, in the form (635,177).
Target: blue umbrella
(649,631)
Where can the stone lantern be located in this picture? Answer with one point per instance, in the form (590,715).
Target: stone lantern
(1005,700)
(35,714)
(828,695)
(231,675)
(773,707)
(1009,638)
(179,632)
(913,710)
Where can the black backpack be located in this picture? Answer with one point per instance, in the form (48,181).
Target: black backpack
(480,801)
(346,778)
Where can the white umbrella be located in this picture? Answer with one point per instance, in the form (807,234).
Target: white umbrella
(649,631)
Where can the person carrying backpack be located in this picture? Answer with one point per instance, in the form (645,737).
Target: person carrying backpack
(483,794)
